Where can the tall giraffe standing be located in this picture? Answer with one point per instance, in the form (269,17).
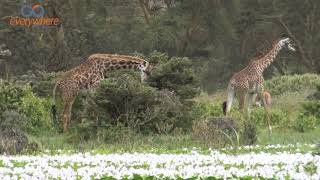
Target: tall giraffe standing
(249,82)
(89,74)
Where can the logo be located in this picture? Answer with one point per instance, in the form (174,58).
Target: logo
(34,15)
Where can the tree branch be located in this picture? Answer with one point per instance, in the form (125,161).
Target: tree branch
(145,11)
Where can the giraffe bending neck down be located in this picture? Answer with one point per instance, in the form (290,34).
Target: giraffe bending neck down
(89,74)
(249,82)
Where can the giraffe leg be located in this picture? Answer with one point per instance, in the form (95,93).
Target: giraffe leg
(250,100)
(230,98)
(66,114)
(242,97)
(266,107)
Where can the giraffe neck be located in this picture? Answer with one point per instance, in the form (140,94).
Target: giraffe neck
(267,59)
(109,62)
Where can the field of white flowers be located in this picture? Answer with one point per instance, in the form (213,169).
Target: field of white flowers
(255,162)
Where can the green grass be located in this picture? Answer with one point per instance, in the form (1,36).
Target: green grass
(283,136)
(171,143)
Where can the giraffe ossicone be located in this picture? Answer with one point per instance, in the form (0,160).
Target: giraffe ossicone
(249,82)
(89,74)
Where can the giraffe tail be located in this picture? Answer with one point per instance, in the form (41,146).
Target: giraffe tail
(53,106)
(227,105)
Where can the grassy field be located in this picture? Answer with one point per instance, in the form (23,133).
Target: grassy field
(166,143)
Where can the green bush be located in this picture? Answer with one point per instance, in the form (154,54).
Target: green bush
(278,117)
(292,83)
(174,74)
(309,115)
(123,99)
(205,109)
(305,123)
(10,96)
(21,108)
(37,110)
(248,135)
(118,134)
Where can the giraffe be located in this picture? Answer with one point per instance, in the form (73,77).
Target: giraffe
(249,82)
(89,74)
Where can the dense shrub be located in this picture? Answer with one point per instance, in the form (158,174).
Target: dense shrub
(205,109)
(37,110)
(292,83)
(249,133)
(278,117)
(174,74)
(309,115)
(22,109)
(125,100)
(305,123)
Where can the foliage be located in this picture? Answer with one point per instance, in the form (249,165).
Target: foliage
(309,115)
(249,134)
(174,74)
(37,111)
(305,123)
(123,99)
(12,141)
(217,132)
(292,83)
(278,117)
(222,131)
(21,108)
(204,109)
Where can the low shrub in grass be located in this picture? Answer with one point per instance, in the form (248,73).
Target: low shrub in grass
(223,131)
(278,117)
(309,115)
(292,83)
(305,123)
(215,131)
(205,109)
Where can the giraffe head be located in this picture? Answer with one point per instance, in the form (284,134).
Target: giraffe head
(287,43)
(145,69)
(4,52)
